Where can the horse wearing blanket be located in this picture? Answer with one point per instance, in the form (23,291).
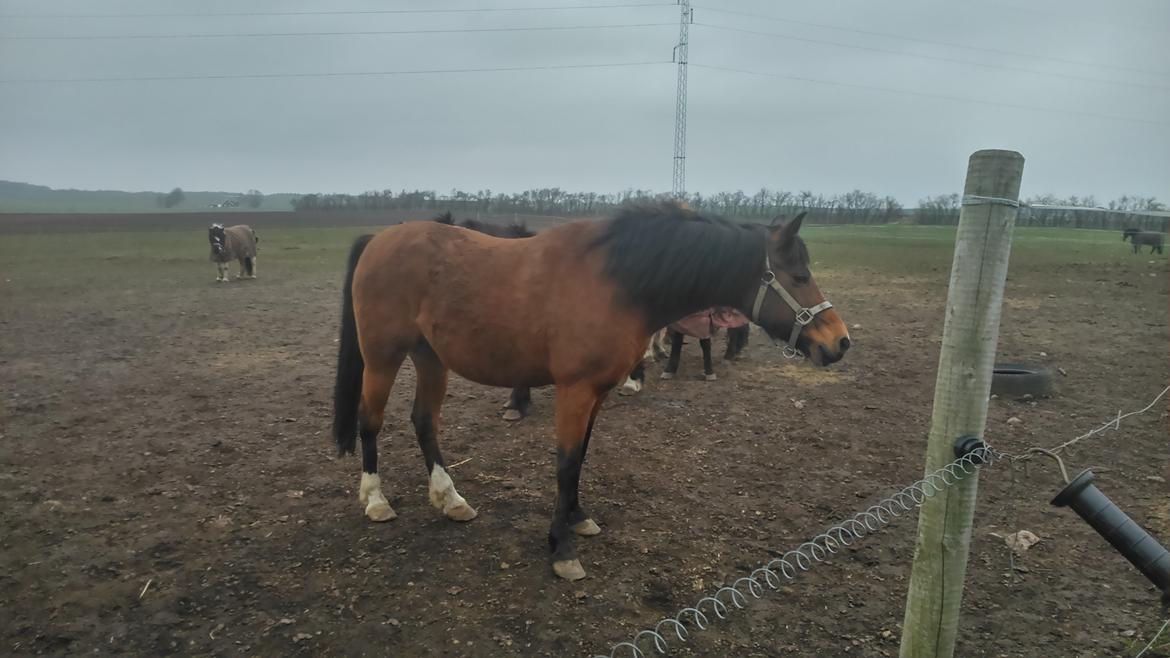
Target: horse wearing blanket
(703,325)
(573,306)
(233,243)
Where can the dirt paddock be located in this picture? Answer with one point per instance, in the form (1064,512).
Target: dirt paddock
(169,485)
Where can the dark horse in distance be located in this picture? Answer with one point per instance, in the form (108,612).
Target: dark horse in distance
(1139,238)
(573,306)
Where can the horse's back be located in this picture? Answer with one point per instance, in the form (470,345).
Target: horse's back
(242,240)
(498,311)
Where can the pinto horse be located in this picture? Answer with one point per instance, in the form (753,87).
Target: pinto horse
(233,243)
(574,307)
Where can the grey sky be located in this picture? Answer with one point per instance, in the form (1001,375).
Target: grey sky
(599,129)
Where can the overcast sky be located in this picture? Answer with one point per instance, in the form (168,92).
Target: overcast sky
(1090,86)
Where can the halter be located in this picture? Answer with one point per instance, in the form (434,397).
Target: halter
(802,316)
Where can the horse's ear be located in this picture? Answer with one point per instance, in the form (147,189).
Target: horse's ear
(787,231)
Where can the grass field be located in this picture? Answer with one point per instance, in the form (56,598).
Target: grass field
(157,427)
(166,259)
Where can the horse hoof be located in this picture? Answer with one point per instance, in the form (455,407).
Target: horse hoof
(513,415)
(461,512)
(711,377)
(587,528)
(631,387)
(569,569)
(379,512)
(667,375)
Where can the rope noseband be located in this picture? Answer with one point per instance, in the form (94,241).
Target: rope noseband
(802,316)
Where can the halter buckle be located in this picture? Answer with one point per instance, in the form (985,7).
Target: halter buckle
(768,277)
(790,352)
(804,316)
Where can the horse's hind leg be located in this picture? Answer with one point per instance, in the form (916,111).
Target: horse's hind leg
(376,385)
(637,377)
(708,369)
(428,399)
(676,345)
(518,403)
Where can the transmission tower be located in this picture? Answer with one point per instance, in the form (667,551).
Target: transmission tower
(679,183)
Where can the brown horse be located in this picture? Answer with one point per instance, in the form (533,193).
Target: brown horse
(237,242)
(574,306)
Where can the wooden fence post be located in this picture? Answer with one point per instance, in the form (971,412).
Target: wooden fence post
(970,335)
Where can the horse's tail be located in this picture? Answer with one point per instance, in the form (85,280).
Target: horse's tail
(249,266)
(348,390)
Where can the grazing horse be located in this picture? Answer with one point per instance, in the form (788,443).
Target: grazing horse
(1139,238)
(703,325)
(233,243)
(573,306)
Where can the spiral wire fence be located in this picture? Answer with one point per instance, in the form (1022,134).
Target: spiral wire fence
(820,548)
(804,557)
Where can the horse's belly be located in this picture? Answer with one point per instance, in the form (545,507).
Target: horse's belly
(491,360)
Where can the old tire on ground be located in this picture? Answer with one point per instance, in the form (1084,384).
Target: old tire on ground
(1014,380)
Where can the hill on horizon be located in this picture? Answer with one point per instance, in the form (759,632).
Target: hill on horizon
(16,197)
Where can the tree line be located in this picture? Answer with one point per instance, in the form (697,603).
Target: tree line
(854,207)
(1052,211)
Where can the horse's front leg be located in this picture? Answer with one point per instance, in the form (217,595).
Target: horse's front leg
(676,345)
(576,410)
(222,269)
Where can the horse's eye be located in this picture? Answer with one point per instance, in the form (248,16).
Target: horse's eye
(801,280)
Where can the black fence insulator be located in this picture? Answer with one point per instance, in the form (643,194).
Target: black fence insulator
(970,445)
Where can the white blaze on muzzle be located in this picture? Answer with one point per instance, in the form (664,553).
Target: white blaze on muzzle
(801,316)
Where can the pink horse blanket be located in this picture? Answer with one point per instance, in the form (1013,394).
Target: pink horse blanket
(705,323)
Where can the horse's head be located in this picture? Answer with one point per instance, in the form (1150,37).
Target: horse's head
(218,239)
(789,306)
(1128,233)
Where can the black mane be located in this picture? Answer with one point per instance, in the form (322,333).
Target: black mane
(671,261)
(513,230)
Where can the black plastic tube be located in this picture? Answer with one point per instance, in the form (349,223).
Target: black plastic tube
(1142,550)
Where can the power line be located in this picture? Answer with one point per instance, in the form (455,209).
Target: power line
(333,74)
(936,58)
(348,12)
(947,44)
(908,92)
(341,33)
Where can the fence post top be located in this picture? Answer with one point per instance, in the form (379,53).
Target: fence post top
(997,154)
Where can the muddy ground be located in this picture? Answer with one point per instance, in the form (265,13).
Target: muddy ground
(168,485)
